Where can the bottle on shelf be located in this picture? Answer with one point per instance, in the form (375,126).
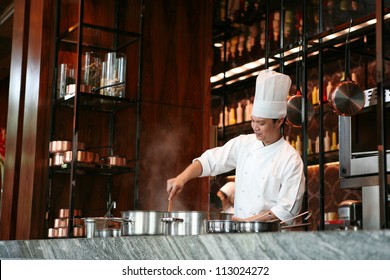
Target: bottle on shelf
(232,116)
(248,111)
(317,145)
(226,120)
(309,147)
(239,113)
(314,96)
(327,141)
(220,119)
(334,141)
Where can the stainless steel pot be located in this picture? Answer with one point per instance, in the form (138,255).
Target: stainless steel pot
(185,222)
(103,226)
(220,216)
(143,222)
(221,226)
(257,226)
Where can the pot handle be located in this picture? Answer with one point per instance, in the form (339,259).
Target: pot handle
(120,220)
(171,220)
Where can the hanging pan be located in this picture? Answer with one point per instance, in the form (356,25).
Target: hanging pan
(296,103)
(347,98)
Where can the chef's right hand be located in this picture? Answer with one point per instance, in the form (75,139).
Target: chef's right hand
(174,186)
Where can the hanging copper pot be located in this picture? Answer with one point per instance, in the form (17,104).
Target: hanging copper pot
(296,103)
(347,98)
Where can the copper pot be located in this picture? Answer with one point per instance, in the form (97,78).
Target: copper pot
(62,146)
(114,161)
(82,156)
(64,213)
(295,105)
(59,146)
(347,98)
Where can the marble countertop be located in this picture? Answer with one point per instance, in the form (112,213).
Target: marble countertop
(326,245)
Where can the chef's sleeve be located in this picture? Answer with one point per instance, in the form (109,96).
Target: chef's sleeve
(220,160)
(292,189)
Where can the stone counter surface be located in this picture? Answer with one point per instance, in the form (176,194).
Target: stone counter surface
(326,245)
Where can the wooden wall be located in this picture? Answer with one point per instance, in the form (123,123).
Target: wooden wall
(174,114)
(175,100)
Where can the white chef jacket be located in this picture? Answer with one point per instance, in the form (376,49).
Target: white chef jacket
(267,177)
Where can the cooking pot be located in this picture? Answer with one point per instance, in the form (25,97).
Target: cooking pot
(57,159)
(295,105)
(257,226)
(185,222)
(82,156)
(221,226)
(220,216)
(113,161)
(347,98)
(103,226)
(62,146)
(143,222)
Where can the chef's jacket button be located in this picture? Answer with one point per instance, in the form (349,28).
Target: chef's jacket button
(258,195)
(253,214)
(262,178)
(240,209)
(246,173)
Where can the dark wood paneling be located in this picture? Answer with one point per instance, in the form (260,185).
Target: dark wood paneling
(174,45)
(170,139)
(175,109)
(12,160)
(33,171)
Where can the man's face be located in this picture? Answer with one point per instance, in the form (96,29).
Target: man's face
(266,130)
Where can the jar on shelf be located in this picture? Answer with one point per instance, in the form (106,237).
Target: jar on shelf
(91,71)
(65,79)
(113,80)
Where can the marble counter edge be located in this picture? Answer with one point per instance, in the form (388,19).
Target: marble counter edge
(348,245)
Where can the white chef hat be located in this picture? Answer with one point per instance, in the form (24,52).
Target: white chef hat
(228,188)
(272,89)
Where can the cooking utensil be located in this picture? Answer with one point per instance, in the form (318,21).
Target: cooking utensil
(185,222)
(62,146)
(114,161)
(143,222)
(296,103)
(82,156)
(347,98)
(257,226)
(270,226)
(221,226)
(95,226)
(220,216)
(59,146)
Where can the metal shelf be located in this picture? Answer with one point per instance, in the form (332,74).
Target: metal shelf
(97,102)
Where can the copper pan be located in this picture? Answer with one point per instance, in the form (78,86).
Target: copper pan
(347,98)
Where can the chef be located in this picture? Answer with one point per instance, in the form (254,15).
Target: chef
(226,195)
(270,180)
